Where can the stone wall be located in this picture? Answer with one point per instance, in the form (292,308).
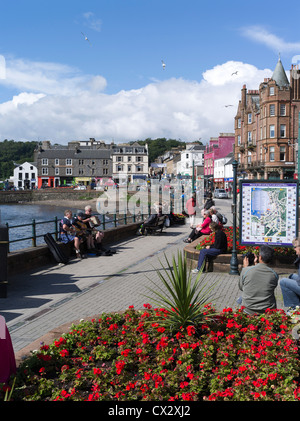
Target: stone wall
(36,257)
(45,194)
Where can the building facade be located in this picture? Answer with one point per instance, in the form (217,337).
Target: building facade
(266,128)
(129,162)
(25,176)
(217,148)
(78,163)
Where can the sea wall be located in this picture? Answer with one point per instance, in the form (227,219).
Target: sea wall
(35,257)
(46,194)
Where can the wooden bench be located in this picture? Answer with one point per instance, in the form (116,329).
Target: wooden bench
(158,226)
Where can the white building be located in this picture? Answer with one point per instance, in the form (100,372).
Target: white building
(129,162)
(191,153)
(25,176)
(223,172)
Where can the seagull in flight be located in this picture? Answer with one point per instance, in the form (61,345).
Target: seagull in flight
(163,64)
(229,105)
(234,73)
(85,37)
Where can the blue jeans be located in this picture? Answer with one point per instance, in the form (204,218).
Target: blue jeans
(207,252)
(290,289)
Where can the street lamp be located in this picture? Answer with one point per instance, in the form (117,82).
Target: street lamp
(234,261)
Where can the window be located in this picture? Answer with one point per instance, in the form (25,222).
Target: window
(44,171)
(272,91)
(26,175)
(105,161)
(45,161)
(69,161)
(80,161)
(239,140)
(21,175)
(32,175)
(272,110)
(119,167)
(282,153)
(56,161)
(129,168)
(239,123)
(129,158)
(249,118)
(272,130)
(140,158)
(282,130)
(249,137)
(105,171)
(282,109)
(186,155)
(119,158)
(272,153)
(249,157)
(69,170)
(139,168)
(239,158)
(56,171)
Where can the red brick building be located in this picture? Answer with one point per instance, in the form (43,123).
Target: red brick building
(266,127)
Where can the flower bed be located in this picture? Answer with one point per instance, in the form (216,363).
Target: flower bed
(131,356)
(278,251)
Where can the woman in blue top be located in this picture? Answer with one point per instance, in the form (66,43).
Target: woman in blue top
(68,233)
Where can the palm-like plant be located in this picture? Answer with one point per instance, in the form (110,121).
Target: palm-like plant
(183,298)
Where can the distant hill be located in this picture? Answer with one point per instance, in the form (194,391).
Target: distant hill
(14,152)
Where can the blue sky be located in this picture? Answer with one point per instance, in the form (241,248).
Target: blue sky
(56,85)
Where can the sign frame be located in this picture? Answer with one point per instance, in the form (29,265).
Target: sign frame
(245,184)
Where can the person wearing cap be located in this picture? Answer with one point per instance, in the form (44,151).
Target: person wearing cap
(97,234)
(82,230)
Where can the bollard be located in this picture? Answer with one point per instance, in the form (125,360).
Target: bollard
(3,260)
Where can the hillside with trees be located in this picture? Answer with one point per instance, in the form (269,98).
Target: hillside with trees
(14,152)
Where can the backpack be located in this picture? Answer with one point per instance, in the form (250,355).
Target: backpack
(222,218)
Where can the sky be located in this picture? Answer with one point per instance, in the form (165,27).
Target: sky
(72,70)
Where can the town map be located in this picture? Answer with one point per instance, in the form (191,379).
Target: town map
(269,213)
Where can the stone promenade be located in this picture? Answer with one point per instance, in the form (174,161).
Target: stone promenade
(42,301)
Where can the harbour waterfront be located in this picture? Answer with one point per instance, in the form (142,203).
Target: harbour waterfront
(19,214)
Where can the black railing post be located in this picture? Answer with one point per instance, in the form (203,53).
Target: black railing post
(33,233)
(3,260)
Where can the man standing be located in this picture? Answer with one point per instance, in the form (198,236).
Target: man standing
(258,283)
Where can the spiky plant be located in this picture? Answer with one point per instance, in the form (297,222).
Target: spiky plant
(183,297)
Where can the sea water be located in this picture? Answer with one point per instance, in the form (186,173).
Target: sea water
(20,214)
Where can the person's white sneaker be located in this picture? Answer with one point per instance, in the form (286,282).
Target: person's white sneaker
(195,270)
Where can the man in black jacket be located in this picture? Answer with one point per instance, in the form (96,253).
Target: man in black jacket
(218,247)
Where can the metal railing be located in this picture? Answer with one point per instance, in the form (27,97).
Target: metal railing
(114,221)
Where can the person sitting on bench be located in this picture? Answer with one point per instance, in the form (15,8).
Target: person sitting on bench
(218,247)
(201,229)
(67,232)
(152,220)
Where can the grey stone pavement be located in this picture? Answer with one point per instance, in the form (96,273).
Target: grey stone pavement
(42,300)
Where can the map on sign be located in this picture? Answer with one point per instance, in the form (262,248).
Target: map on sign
(268,212)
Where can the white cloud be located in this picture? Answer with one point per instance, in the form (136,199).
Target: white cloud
(48,78)
(174,108)
(91,21)
(277,44)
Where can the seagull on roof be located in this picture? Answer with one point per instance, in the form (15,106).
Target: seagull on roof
(234,73)
(85,37)
(163,64)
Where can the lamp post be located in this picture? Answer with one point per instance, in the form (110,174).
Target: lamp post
(234,260)
(193,178)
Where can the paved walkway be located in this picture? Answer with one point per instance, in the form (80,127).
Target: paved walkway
(40,301)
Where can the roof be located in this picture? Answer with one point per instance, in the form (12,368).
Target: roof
(71,153)
(279,75)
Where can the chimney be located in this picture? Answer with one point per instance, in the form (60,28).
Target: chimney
(244,95)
